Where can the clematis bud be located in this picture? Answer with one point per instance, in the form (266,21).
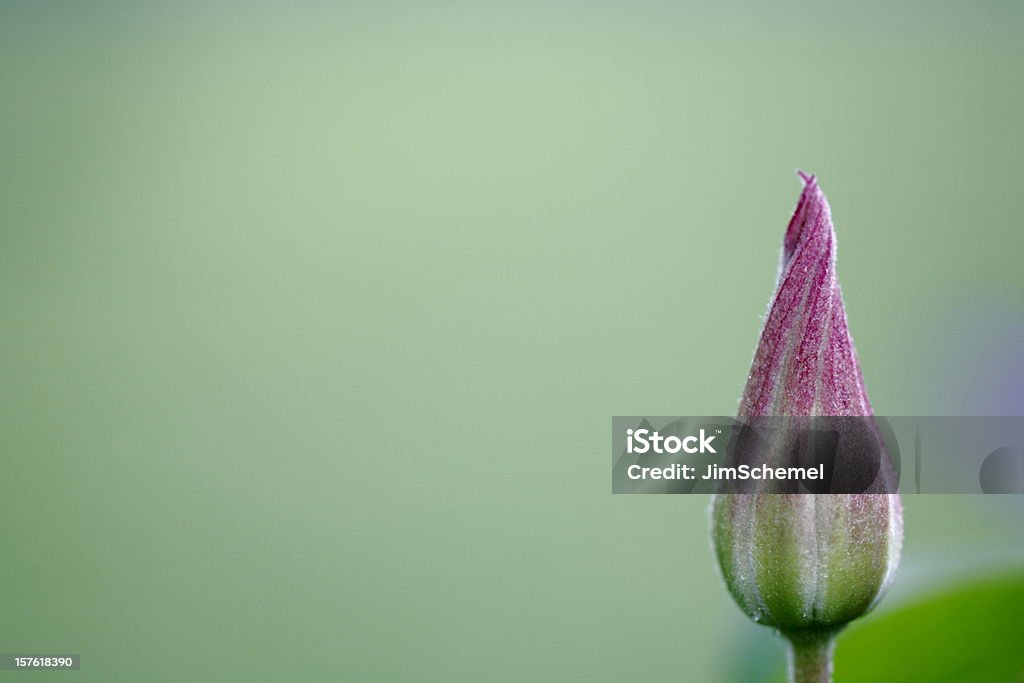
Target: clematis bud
(806,564)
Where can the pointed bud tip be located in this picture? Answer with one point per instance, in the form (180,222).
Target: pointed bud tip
(805,363)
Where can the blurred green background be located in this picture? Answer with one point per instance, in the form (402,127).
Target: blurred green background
(315,316)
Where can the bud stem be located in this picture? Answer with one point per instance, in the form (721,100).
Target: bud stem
(810,657)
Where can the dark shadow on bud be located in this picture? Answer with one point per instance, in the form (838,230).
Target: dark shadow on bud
(815,455)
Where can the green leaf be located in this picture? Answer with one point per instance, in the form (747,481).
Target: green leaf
(970,634)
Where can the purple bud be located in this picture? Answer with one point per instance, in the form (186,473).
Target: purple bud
(803,563)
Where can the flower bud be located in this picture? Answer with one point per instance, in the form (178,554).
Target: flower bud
(807,563)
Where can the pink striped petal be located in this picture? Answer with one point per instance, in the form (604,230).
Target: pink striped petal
(805,363)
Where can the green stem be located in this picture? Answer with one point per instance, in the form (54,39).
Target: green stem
(810,657)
